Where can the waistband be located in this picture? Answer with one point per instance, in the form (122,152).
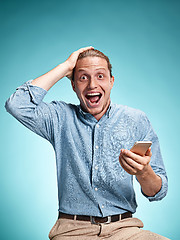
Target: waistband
(96,220)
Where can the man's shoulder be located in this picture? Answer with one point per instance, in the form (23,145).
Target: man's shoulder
(127,110)
(63,108)
(63,104)
(130,115)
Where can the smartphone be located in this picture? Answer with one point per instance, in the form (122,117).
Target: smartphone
(141,147)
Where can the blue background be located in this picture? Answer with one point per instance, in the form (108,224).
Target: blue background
(142,40)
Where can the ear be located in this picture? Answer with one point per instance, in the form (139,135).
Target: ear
(112,81)
(73,85)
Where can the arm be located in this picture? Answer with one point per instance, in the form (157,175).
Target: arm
(148,169)
(64,69)
(140,166)
(27,105)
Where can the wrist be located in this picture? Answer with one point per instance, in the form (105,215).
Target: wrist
(64,68)
(69,68)
(149,181)
(145,172)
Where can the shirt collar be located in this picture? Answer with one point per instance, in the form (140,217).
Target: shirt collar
(88,115)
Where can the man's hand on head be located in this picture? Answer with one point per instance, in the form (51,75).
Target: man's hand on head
(133,163)
(65,69)
(72,59)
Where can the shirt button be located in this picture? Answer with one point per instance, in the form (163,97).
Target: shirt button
(102,206)
(97,125)
(97,146)
(96,167)
(96,189)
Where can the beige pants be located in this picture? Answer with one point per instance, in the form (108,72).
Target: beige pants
(82,230)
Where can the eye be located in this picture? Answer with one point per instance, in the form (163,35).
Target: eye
(100,76)
(83,77)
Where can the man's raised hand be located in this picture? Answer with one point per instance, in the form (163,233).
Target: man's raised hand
(65,69)
(72,59)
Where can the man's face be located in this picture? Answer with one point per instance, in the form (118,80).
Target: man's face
(92,84)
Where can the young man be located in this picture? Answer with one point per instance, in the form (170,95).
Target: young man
(91,141)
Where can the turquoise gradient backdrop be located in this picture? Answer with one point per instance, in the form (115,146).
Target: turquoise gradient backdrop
(142,39)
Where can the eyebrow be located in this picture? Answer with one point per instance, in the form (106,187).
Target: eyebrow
(82,69)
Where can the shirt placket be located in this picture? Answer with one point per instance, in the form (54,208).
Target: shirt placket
(95,166)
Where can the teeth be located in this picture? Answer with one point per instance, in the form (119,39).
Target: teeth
(93,94)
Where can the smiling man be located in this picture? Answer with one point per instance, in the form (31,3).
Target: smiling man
(92,82)
(95,167)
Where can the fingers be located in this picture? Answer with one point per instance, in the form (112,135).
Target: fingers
(130,164)
(74,56)
(137,158)
(126,166)
(134,163)
(148,153)
(84,49)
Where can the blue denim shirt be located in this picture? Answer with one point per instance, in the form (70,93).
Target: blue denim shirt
(90,178)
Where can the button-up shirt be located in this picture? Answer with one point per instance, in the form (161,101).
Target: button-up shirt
(90,178)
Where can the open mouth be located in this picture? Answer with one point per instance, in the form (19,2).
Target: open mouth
(93,98)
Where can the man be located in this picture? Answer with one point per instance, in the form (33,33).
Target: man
(91,141)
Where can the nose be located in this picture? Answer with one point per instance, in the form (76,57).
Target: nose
(92,83)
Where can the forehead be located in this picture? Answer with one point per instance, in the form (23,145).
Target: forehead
(88,63)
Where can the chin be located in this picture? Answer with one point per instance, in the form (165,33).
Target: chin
(95,112)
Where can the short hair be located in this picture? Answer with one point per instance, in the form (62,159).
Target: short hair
(94,53)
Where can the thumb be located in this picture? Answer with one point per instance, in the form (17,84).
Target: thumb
(148,152)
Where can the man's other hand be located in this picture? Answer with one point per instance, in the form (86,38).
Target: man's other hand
(133,163)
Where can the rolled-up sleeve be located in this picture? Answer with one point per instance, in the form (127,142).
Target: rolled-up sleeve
(163,191)
(156,162)
(27,106)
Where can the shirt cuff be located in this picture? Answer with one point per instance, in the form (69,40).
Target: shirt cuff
(37,93)
(162,192)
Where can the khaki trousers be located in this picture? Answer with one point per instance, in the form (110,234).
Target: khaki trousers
(129,228)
